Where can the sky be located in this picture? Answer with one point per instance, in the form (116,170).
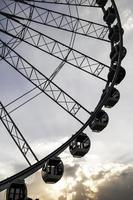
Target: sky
(106,171)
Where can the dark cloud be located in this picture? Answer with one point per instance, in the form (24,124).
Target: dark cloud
(62,198)
(99,175)
(71,170)
(118,187)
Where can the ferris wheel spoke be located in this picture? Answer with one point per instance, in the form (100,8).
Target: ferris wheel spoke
(8,25)
(88,3)
(66,22)
(17,136)
(42,82)
(60,50)
(53,75)
(16,8)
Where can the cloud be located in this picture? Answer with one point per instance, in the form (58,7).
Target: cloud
(81,192)
(37,188)
(111,181)
(2,195)
(100,175)
(62,198)
(117,186)
(114,181)
(70,171)
(128,19)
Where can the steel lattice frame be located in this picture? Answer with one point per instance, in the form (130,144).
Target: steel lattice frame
(22,32)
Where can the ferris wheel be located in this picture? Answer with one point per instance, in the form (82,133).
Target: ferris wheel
(46,43)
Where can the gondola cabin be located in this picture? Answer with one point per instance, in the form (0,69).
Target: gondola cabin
(114,55)
(52,170)
(101,3)
(80,146)
(99,122)
(17,191)
(112,99)
(114,34)
(109,16)
(120,76)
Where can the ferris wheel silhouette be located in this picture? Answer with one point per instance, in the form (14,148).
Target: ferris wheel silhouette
(52,29)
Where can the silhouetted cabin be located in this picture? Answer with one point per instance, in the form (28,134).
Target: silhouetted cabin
(52,170)
(17,191)
(112,99)
(101,3)
(120,76)
(99,122)
(114,34)
(114,55)
(80,146)
(109,15)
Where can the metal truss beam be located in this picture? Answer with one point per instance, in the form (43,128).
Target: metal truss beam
(42,82)
(15,9)
(88,3)
(60,51)
(16,135)
(66,22)
(12,28)
(53,75)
